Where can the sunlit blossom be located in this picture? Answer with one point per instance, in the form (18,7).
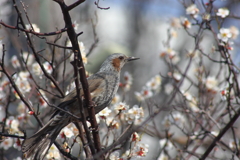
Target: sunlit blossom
(42,99)
(135,137)
(15,62)
(53,153)
(192,10)
(224,34)
(24,75)
(206,16)
(105,112)
(154,83)
(29,58)
(168,88)
(186,23)
(134,114)
(21,81)
(139,96)
(23,85)
(215,133)
(121,106)
(141,149)
(112,123)
(223,12)
(82,49)
(36,69)
(116,99)
(67,132)
(114,156)
(75,25)
(48,67)
(211,84)
(234,144)
(33,27)
(176,118)
(177,76)
(18,144)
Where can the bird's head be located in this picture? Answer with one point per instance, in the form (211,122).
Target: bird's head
(115,62)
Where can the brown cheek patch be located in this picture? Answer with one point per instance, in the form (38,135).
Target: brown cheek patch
(116,63)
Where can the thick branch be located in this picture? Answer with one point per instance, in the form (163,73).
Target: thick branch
(220,135)
(79,67)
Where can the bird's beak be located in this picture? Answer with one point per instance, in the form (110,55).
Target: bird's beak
(132,59)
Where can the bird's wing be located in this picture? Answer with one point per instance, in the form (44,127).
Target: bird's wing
(96,86)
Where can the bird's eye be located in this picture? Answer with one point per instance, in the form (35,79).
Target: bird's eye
(121,57)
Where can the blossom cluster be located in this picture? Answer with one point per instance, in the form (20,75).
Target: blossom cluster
(149,89)
(138,149)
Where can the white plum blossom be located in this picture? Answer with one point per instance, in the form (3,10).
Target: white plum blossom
(29,58)
(116,99)
(127,81)
(21,81)
(174,118)
(211,84)
(224,34)
(141,149)
(168,88)
(206,16)
(151,88)
(154,83)
(121,106)
(33,27)
(48,67)
(18,144)
(223,12)
(67,132)
(192,10)
(105,112)
(37,69)
(15,62)
(6,143)
(177,76)
(135,114)
(114,156)
(53,153)
(111,122)
(82,49)
(186,23)
(234,144)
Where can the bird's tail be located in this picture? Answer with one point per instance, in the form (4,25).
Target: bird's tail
(37,146)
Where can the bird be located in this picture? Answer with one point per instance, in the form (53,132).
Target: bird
(103,86)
